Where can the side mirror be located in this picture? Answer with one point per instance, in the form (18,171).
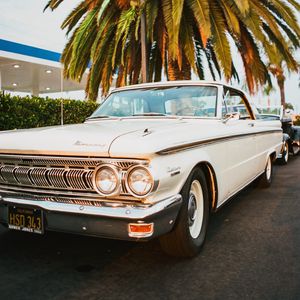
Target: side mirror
(229,116)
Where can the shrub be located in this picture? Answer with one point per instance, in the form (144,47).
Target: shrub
(28,112)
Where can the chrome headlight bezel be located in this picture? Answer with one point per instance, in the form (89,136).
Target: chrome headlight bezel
(129,188)
(117,174)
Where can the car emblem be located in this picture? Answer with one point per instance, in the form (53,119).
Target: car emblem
(80,143)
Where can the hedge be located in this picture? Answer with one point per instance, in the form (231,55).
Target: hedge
(29,112)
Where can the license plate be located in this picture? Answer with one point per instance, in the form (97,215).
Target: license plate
(25,219)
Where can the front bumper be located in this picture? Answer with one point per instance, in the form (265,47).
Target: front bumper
(106,221)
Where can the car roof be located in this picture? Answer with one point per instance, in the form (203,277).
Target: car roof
(173,83)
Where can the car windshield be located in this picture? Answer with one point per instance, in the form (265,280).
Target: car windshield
(189,101)
(269,110)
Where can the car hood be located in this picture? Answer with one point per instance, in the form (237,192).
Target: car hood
(136,137)
(93,138)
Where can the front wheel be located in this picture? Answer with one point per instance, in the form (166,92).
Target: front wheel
(188,236)
(265,179)
(284,154)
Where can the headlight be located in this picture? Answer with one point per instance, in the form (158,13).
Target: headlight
(107,180)
(139,181)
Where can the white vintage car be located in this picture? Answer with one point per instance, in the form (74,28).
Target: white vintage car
(154,160)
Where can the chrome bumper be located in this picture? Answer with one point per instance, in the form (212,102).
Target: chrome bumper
(106,221)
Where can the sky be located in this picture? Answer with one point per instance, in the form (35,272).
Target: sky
(25,22)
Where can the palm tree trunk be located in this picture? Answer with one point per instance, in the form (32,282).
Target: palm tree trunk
(280,82)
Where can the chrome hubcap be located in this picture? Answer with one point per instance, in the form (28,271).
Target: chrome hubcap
(286,151)
(192,208)
(195,209)
(268,169)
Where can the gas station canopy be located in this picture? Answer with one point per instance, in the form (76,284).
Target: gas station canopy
(33,70)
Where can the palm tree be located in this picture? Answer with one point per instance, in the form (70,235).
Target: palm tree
(277,67)
(278,71)
(181,35)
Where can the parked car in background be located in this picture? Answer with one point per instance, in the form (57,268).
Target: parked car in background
(154,160)
(291,136)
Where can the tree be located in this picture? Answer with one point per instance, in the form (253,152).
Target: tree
(277,70)
(181,35)
(289,106)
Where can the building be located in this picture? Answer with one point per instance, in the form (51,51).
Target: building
(36,71)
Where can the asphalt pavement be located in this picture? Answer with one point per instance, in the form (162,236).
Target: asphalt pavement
(252,252)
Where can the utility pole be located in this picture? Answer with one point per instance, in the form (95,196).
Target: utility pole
(61,92)
(144,45)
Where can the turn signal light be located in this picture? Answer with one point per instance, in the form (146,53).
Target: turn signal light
(140,230)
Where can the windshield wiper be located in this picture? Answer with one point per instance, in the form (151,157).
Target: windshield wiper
(97,117)
(149,114)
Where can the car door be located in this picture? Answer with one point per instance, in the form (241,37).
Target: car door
(239,123)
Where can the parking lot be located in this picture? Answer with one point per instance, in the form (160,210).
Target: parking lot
(252,252)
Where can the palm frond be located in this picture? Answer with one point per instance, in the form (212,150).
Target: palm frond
(82,45)
(231,18)
(199,61)
(74,17)
(151,10)
(201,11)
(53,4)
(255,69)
(283,48)
(291,35)
(284,12)
(187,42)
(127,18)
(219,41)
(243,6)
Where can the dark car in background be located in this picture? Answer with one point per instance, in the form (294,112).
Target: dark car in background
(291,133)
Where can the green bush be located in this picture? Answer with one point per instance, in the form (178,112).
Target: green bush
(28,112)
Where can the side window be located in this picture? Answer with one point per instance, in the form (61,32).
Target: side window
(234,104)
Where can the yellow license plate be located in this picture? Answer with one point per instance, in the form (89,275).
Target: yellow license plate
(25,219)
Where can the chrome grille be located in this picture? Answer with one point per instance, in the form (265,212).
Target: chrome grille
(56,173)
(7,173)
(75,201)
(78,179)
(38,176)
(22,176)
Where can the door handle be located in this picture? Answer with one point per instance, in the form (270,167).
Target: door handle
(251,124)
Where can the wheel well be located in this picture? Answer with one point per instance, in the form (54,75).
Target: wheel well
(211,180)
(273,156)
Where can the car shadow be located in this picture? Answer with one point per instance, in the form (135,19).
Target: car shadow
(86,253)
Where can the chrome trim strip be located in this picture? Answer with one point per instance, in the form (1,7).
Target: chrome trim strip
(49,191)
(46,160)
(52,193)
(211,141)
(124,212)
